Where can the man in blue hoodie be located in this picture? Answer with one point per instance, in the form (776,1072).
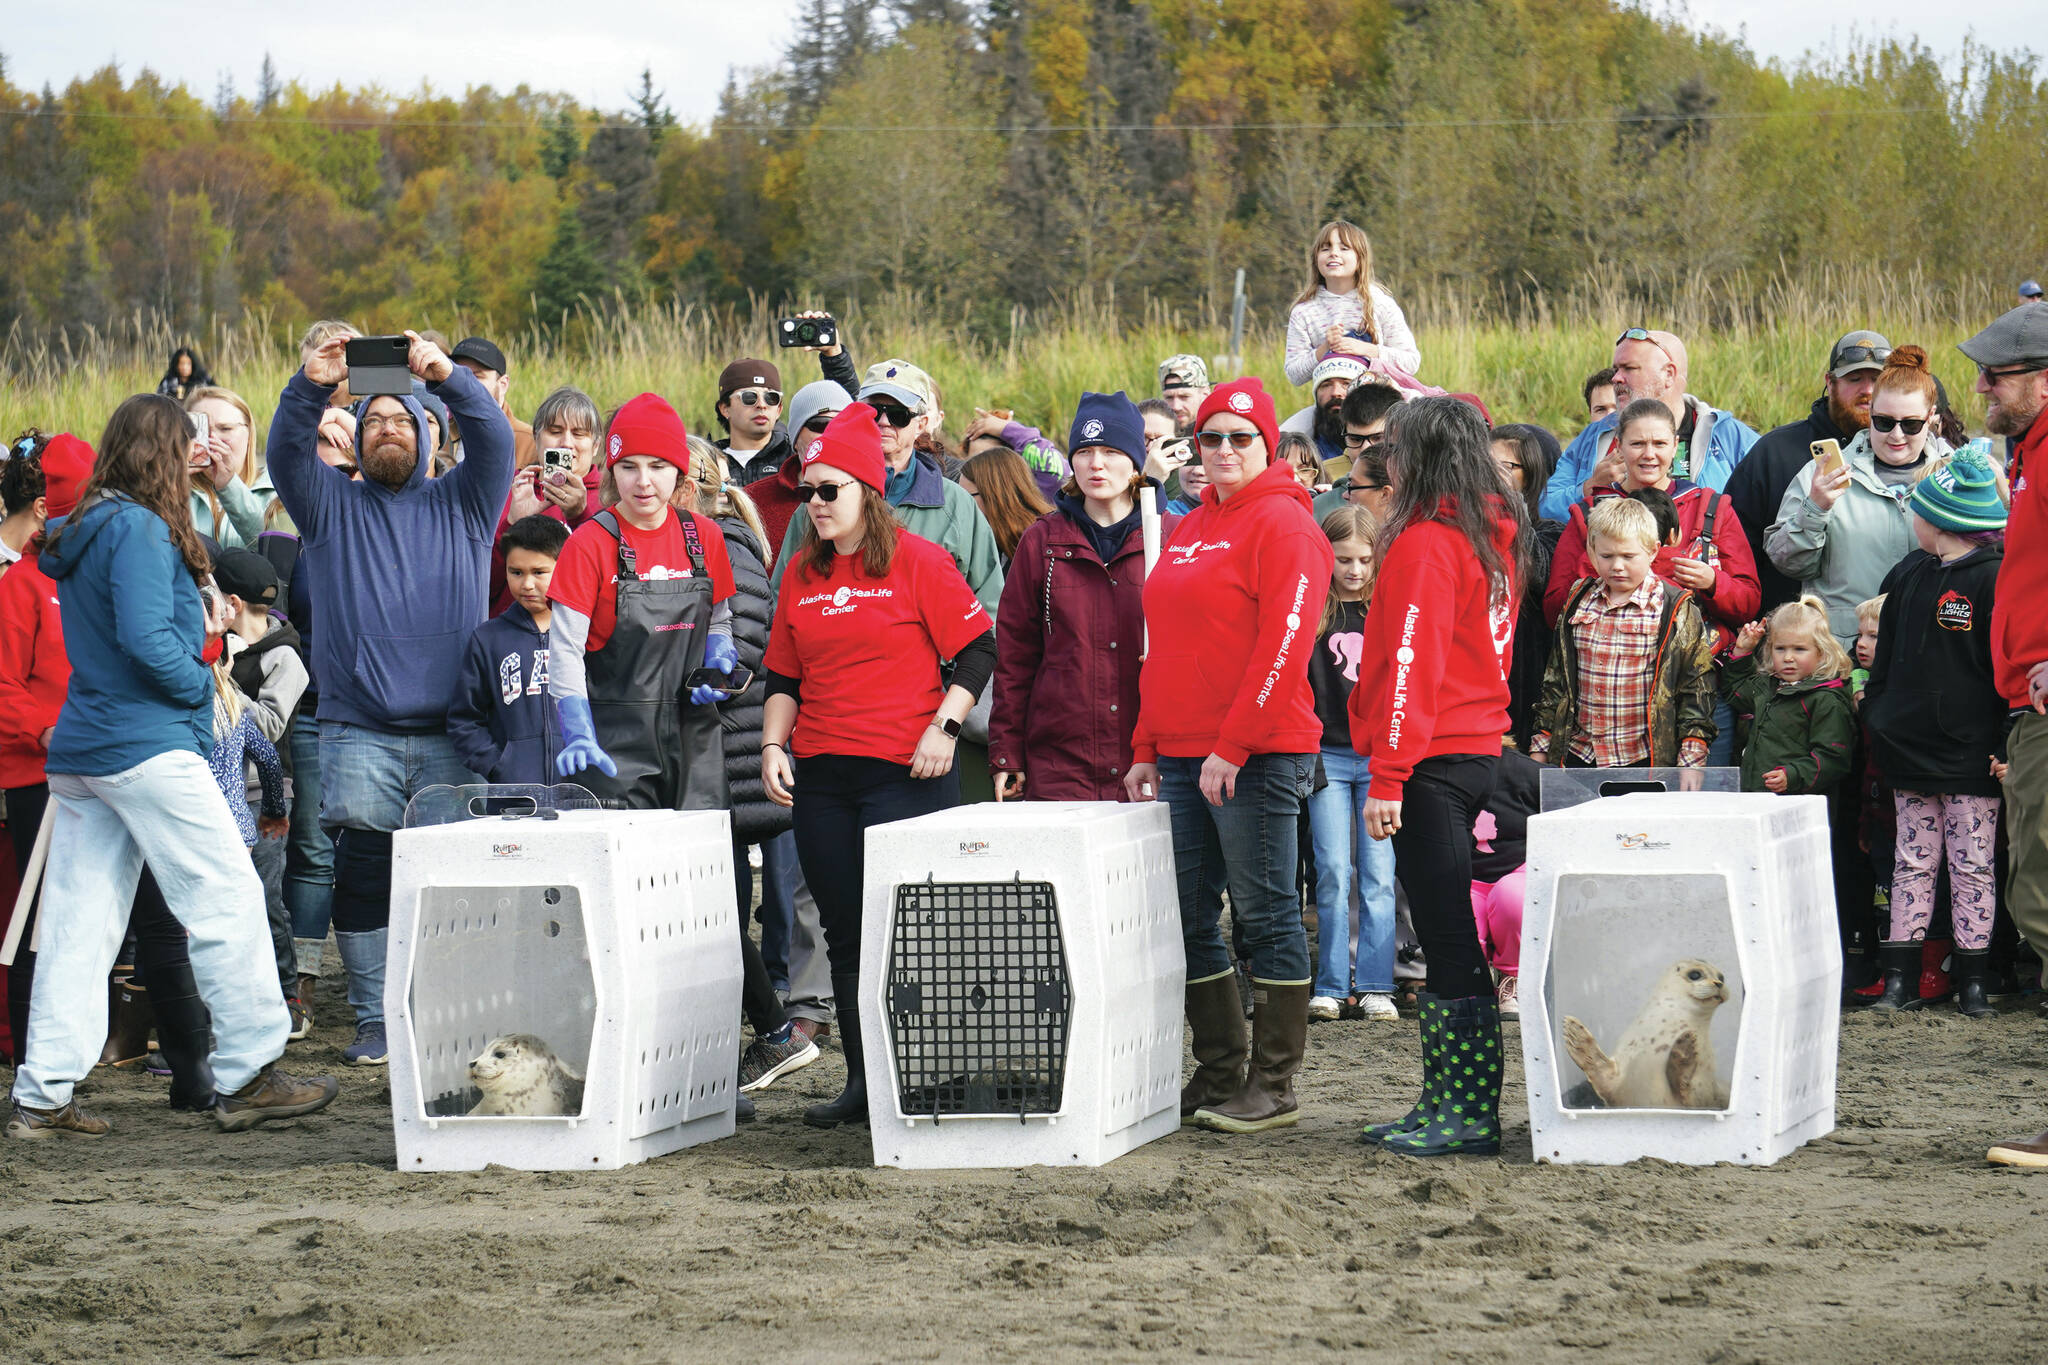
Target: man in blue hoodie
(1711,442)
(399,564)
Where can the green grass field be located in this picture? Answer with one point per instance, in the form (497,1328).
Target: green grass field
(1762,361)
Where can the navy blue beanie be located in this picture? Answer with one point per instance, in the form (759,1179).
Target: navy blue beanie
(1109,419)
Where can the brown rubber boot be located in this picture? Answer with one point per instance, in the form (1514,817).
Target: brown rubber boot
(129,1020)
(273,1094)
(1216,1017)
(1279,1037)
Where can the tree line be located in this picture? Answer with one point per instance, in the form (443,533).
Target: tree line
(991,154)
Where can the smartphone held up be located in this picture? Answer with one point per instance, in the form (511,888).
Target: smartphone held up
(378,365)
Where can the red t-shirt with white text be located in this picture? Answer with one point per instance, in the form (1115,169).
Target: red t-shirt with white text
(589,567)
(867,650)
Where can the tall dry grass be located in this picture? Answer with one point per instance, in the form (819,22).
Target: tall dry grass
(1757,347)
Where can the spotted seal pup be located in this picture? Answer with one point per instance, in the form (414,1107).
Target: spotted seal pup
(1665,1059)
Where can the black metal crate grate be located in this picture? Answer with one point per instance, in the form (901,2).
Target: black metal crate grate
(979,1001)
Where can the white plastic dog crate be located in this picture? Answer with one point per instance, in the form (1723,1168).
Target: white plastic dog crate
(610,935)
(1022,985)
(1635,905)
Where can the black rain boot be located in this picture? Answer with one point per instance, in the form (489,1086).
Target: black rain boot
(1433,1017)
(1972,966)
(852,1104)
(1901,977)
(184,1034)
(1466,1118)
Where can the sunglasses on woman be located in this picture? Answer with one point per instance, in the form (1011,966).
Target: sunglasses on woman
(1212,441)
(1912,426)
(824,492)
(760,398)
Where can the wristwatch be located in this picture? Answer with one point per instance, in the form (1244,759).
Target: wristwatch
(950,727)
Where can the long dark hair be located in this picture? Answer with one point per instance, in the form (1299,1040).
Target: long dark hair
(198,379)
(1008,495)
(1538,451)
(1441,458)
(877,540)
(142,455)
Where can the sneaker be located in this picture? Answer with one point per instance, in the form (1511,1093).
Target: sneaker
(302,1020)
(1380,1005)
(817,1030)
(277,1094)
(33,1125)
(1324,1007)
(369,1048)
(1510,1004)
(775,1055)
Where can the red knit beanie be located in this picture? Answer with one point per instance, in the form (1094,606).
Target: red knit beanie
(851,441)
(67,464)
(1246,398)
(647,425)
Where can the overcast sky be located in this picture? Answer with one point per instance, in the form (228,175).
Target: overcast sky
(690,44)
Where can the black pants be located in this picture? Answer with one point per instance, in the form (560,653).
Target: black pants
(1433,863)
(758,1001)
(837,798)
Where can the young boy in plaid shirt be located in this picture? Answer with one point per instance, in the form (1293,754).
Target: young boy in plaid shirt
(1630,682)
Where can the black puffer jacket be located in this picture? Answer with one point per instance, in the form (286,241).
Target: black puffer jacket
(754,816)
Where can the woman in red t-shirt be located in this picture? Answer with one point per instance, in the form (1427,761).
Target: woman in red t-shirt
(866,615)
(641,601)
(1428,714)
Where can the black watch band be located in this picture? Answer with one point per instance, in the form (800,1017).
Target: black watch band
(951,728)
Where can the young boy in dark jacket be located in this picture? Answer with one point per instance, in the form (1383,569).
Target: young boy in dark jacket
(501,719)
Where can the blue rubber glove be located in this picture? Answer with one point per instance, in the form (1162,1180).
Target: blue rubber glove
(581,751)
(721,656)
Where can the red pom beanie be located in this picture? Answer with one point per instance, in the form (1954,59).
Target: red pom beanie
(1246,398)
(67,464)
(851,441)
(647,425)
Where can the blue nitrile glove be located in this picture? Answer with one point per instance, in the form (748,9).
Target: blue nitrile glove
(581,751)
(720,656)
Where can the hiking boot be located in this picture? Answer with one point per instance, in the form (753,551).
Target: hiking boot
(2029,1152)
(274,1094)
(1324,1008)
(773,1056)
(69,1121)
(1219,1043)
(1507,993)
(302,1020)
(1279,1037)
(369,1048)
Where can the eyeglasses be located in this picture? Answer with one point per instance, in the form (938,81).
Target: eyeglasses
(380,423)
(892,414)
(2008,372)
(1354,441)
(1212,441)
(824,492)
(1912,426)
(816,426)
(760,398)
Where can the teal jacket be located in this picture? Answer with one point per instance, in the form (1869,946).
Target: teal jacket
(942,512)
(241,516)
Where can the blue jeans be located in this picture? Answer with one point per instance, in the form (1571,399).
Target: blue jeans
(778,905)
(1336,818)
(308,851)
(167,811)
(1249,845)
(1722,752)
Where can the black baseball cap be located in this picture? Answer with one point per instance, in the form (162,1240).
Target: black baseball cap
(247,575)
(483,351)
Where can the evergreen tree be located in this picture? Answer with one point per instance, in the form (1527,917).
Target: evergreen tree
(268,88)
(567,273)
(617,199)
(650,104)
(562,147)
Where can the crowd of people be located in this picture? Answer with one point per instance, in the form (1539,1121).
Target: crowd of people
(1368,628)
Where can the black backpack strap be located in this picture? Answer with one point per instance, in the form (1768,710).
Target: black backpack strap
(691,542)
(609,524)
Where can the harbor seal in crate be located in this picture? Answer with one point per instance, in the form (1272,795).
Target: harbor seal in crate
(520,1074)
(1665,1059)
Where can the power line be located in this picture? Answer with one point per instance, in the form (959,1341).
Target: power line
(1009,129)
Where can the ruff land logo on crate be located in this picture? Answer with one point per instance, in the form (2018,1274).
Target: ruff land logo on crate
(508,850)
(1953,611)
(1639,843)
(973,848)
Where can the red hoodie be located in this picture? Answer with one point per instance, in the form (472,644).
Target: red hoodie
(1232,608)
(34,670)
(1433,672)
(2019,628)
